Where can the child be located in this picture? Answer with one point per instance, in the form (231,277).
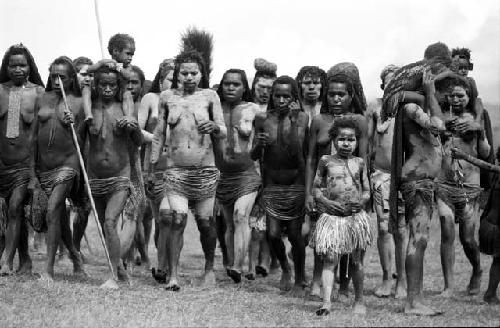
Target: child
(343,226)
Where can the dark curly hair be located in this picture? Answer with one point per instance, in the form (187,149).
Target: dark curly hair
(74,87)
(191,56)
(356,104)
(284,79)
(20,49)
(247,94)
(346,121)
(461,53)
(119,42)
(262,74)
(313,72)
(119,80)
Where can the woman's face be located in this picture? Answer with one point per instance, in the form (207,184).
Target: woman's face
(167,81)
(339,100)
(189,76)
(18,69)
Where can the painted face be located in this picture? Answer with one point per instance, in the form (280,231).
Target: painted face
(339,100)
(167,81)
(282,97)
(134,84)
(107,87)
(458,99)
(125,56)
(345,142)
(62,71)
(18,69)
(263,90)
(232,87)
(189,76)
(311,88)
(84,77)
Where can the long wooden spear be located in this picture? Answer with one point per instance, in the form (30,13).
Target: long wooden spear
(86,179)
(99,29)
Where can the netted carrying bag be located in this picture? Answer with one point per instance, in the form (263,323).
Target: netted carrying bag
(36,210)
(3,216)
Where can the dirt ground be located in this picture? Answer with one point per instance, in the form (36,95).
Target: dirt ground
(71,302)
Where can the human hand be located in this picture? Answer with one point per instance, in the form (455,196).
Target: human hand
(310,205)
(33,184)
(293,113)
(68,118)
(356,207)
(207,127)
(457,153)
(262,139)
(428,82)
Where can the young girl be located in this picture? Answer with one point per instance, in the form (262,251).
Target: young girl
(341,190)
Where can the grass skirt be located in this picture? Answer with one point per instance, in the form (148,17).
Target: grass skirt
(337,235)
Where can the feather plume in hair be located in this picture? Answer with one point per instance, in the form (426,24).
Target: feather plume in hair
(201,41)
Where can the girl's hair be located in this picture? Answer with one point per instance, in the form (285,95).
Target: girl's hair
(346,121)
(20,49)
(247,94)
(74,87)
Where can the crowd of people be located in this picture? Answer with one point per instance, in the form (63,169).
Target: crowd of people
(304,159)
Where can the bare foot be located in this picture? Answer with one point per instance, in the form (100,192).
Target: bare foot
(6,270)
(342,297)
(324,310)
(46,277)
(286,281)
(275,266)
(250,276)
(420,310)
(25,267)
(447,293)
(475,283)
(400,291)
(122,274)
(109,284)
(173,285)
(384,290)
(297,291)
(159,275)
(359,308)
(259,269)
(208,279)
(491,299)
(235,275)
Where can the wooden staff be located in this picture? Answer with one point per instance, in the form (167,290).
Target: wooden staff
(86,178)
(99,29)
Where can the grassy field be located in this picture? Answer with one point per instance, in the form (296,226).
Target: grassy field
(69,302)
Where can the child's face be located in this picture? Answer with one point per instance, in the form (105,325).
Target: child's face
(125,56)
(345,142)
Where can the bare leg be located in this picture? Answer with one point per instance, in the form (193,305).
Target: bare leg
(317,271)
(277,246)
(345,276)
(56,211)
(139,238)
(175,242)
(467,230)
(385,252)
(491,293)
(221,236)
(447,218)
(327,280)
(419,221)
(263,268)
(113,208)
(227,212)
(25,264)
(147,222)
(164,227)
(299,255)
(79,225)
(15,215)
(401,243)
(127,233)
(253,253)
(356,267)
(68,242)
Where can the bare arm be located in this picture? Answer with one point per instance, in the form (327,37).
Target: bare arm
(220,131)
(431,102)
(159,132)
(146,114)
(459,154)
(417,114)
(34,145)
(311,163)
(365,184)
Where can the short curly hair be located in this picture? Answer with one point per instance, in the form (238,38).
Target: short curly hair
(284,79)
(343,122)
(461,53)
(119,42)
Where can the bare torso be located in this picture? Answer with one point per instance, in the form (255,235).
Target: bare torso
(422,149)
(15,152)
(235,149)
(284,161)
(109,153)
(148,120)
(382,141)
(54,139)
(187,146)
